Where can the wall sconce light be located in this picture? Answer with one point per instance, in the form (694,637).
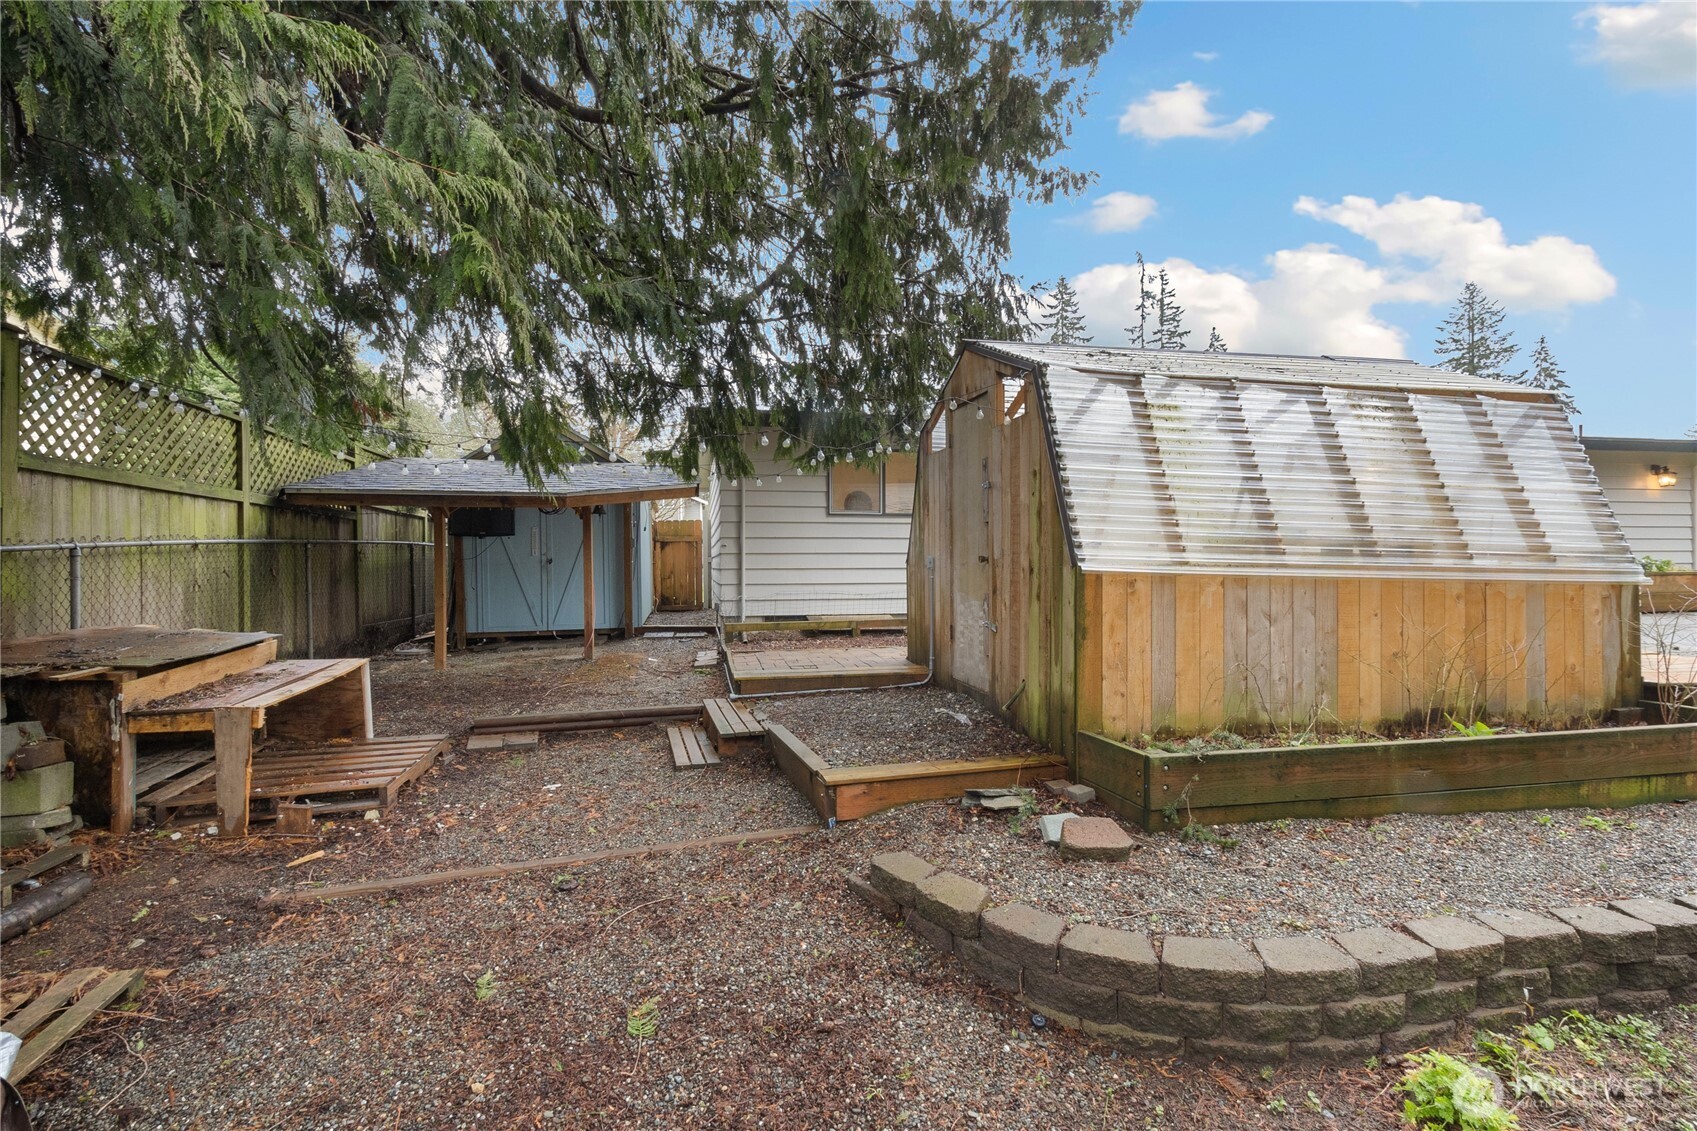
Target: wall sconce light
(1665,476)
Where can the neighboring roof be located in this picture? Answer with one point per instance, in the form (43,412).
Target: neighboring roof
(1636,444)
(486,483)
(1221,463)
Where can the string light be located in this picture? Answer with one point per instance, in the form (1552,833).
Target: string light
(765,440)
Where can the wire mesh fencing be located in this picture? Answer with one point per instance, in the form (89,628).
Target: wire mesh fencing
(322,598)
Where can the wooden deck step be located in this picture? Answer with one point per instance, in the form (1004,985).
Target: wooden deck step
(690,748)
(733,730)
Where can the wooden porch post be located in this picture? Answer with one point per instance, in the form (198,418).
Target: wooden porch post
(459,593)
(439,535)
(588,516)
(629,543)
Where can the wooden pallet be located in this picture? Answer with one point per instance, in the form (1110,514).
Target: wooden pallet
(732,729)
(353,775)
(690,748)
(41,865)
(49,1019)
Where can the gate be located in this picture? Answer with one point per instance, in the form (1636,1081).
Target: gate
(677,564)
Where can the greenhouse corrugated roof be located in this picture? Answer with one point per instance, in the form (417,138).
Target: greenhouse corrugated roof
(1215,463)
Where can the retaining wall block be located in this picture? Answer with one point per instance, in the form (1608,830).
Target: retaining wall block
(1390,962)
(1306,971)
(1022,933)
(1169,1016)
(1676,926)
(1336,1050)
(938,937)
(1364,1016)
(897,875)
(1497,1020)
(1465,949)
(1408,1038)
(1663,972)
(1099,1003)
(1211,970)
(1107,957)
(1442,1002)
(1132,1040)
(1000,972)
(952,902)
(1533,940)
(1583,979)
(1609,936)
(1514,987)
(1687,901)
(1266,1021)
(1244,1052)
(886,905)
(1556,1006)
(1635,1001)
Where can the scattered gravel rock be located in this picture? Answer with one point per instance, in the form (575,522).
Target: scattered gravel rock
(909,724)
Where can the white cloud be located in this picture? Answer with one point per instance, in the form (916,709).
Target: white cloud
(1205,56)
(1461,243)
(1653,44)
(1120,212)
(1318,299)
(1183,112)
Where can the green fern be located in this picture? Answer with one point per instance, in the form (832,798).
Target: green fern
(1444,1093)
(643,1021)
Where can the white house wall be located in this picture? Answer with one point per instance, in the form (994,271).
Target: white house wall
(1659,522)
(802,560)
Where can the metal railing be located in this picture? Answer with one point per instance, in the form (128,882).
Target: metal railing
(323,598)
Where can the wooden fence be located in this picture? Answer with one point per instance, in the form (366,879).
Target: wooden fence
(122,501)
(677,564)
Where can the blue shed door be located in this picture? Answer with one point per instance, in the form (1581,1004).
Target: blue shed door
(533,581)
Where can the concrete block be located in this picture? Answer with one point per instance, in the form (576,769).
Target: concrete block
(1049,824)
(1211,970)
(952,902)
(1361,1016)
(938,936)
(1443,1002)
(897,875)
(1408,1038)
(1532,940)
(40,790)
(1244,1052)
(1095,838)
(1609,936)
(1336,1050)
(1266,1021)
(1303,971)
(871,896)
(1663,972)
(1169,1016)
(1514,987)
(1063,995)
(1023,934)
(1583,979)
(1500,1019)
(1635,1001)
(1465,949)
(1135,1041)
(1000,972)
(1676,926)
(1120,959)
(1079,794)
(1390,962)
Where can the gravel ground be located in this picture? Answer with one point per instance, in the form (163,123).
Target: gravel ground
(1313,876)
(781,1001)
(912,724)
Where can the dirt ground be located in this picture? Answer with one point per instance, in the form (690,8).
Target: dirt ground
(777,999)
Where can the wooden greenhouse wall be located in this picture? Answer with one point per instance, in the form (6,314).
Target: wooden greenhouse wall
(1124,654)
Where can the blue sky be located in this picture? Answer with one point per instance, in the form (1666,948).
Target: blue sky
(1321,178)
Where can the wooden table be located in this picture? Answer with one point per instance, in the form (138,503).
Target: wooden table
(300,700)
(82,684)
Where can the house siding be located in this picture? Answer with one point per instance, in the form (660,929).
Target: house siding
(802,560)
(1658,521)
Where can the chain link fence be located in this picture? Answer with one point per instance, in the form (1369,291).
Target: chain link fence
(330,598)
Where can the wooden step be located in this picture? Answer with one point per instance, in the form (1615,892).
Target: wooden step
(732,729)
(690,748)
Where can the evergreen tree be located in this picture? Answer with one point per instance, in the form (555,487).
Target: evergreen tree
(1547,375)
(1138,335)
(1216,344)
(1169,316)
(1065,322)
(1472,339)
(623,210)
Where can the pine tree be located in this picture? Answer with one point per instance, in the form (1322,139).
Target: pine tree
(1547,375)
(621,210)
(1138,335)
(1065,322)
(1472,339)
(1216,344)
(1169,316)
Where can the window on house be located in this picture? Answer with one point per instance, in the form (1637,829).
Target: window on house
(875,490)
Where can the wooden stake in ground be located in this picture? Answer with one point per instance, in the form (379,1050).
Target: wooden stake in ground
(494,871)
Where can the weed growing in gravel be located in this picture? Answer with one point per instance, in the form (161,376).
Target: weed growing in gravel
(1600,824)
(1202,834)
(1277,1105)
(1443,1092)
(484,988)
(642,1020)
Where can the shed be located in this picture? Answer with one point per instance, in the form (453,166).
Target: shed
(1127,542)
(570,552)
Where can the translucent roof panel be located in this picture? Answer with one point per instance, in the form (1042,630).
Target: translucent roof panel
(1191,463)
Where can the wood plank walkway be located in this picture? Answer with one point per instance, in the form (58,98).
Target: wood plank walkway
(812,669)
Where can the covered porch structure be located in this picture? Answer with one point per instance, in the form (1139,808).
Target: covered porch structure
(593,491)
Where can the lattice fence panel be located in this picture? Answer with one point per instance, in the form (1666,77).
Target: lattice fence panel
(70,412)
(277,462)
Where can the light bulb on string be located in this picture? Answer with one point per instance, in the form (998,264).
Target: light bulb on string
(777,478)
(758,482)
(765,440)
(154,392)
(173,398)
(135,386)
